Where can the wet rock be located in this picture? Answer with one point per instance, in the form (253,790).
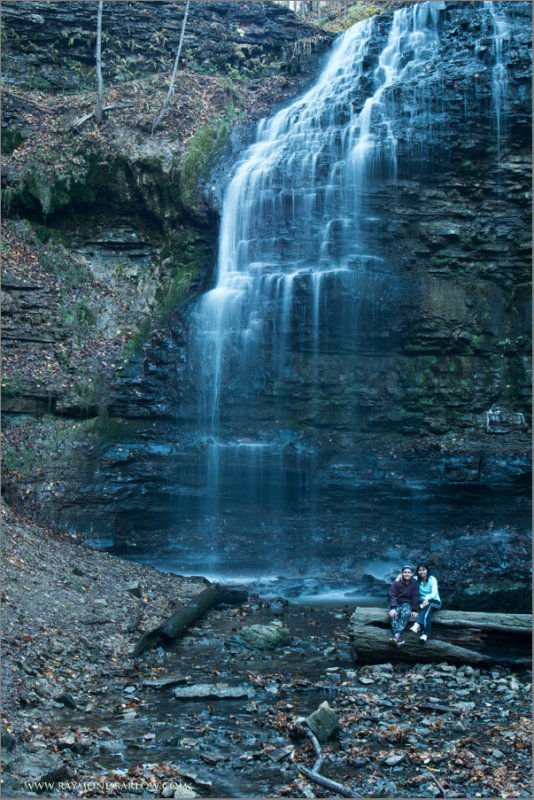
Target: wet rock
(512,596)
(166,683)
(111,746)
(323,722)
(213,691)
(134,588)
(263,637)
(8,740)
(499,420)
(184,791)
(59,774)
(67,699)
(394,759)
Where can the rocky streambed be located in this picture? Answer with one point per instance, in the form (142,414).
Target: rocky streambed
(217,716)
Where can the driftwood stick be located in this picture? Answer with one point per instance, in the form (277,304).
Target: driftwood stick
(313,774)
(79,122)
(320,758)
(438,784)
(326,783)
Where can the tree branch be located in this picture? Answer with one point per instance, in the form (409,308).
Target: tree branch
(313,774)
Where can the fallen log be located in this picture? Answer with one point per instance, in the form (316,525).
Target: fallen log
(174,627)
(500,639)
(518,624)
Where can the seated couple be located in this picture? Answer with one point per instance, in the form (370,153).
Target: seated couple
(413,598)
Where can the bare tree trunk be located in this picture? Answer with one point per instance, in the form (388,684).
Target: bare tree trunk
(173,76)
(98,109)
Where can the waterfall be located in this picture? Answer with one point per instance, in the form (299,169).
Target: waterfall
(292,215)
(306,280)
(292,236)
(501,36)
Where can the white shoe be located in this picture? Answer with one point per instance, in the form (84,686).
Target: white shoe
(423,637)
(415,627)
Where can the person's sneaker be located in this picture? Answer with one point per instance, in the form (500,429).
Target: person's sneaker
(400,642)
(415,627)
(423,637)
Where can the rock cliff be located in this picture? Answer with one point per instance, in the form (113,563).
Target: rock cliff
(432,389)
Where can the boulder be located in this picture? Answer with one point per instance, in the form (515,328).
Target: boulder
(263,637)
(323,722)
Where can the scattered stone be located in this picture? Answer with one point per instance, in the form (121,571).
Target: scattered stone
(59,774)
(8,740)
(216,691)
(134,588)
(185,791)
(394,759)
(323,722)
(75,584)
(166,683)
(66,699)
(281,752)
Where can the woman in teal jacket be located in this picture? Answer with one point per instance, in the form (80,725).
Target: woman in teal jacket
(429,601)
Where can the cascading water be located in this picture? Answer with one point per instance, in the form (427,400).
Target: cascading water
(292,355)
(501,37)
(294,249)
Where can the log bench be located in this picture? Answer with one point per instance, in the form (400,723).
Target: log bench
(458,637)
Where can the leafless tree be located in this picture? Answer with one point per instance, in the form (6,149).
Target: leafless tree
(98,109)
(174,71)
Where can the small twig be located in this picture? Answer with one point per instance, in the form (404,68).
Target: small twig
(438,784)
(313,774)
(79,122)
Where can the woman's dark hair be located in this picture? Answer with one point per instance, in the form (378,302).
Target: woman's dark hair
(424,566)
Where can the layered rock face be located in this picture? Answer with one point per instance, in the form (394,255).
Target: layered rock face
(125,205)
(141,38)
(400,391)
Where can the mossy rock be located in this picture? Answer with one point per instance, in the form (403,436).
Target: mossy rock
(505,596)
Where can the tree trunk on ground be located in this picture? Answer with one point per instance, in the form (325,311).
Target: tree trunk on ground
(174,627)
(516,624)
(100,91)
(173,76)
(490,639)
